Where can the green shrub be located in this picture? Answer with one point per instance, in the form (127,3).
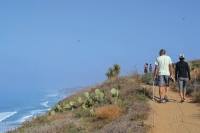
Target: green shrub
(80,113)
(58,108)
(147,78)
(87,101)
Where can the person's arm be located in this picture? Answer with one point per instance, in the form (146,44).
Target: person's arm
(170,67)
(155,72)
(188,71)
(176,72)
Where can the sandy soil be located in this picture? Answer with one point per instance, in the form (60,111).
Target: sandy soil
(174,117)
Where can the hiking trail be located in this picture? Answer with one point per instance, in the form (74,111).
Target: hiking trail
(174,117)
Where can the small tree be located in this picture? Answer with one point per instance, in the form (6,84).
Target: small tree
(113,72)
(110,73)
(116,69)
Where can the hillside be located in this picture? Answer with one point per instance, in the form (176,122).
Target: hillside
(195,63)
(195,69)
(121,105)
(117,105)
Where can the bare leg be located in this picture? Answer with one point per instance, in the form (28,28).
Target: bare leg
(166,91)
(161,92)
(181,90)
(184,94)
(184,89)
(181,94)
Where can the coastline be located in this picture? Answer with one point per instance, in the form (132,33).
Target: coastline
(130,103)
(14,118)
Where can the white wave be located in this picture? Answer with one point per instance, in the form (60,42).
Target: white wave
(38,111)
(52,95)
(6,115)
(25,118)
(45,104)
(32,114)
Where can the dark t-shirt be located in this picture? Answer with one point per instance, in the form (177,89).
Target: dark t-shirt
(182,70)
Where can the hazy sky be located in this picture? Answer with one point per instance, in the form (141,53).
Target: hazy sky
(52,44)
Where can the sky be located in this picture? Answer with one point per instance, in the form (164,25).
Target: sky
(54,44)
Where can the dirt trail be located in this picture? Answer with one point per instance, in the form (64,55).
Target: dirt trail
(174,117)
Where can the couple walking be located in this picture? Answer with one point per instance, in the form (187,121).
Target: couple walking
(164,72)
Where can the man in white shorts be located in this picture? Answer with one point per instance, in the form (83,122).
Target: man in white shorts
(163,72)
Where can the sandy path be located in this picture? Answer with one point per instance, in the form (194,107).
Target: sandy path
(174,117)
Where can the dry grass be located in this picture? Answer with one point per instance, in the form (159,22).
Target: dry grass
(130,122)
(195,74)
(55,127)
(122,116)
(196,96)
(59,123)
(110,112)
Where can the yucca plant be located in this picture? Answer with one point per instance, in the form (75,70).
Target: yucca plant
(116,70)
(113,72)
(110,74)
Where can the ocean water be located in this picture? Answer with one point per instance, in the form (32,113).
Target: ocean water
(17,109)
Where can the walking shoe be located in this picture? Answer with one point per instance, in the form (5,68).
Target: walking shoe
(166,98)
(162,101)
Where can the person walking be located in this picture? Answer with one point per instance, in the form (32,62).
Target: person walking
(182,76)
(163,72)
(150,68)
(146,68)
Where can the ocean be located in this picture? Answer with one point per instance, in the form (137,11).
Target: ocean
(22,108)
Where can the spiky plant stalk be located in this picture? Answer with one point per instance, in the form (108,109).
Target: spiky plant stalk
(110,74)
(116,70)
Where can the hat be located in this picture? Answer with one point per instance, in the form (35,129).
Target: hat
(181,56)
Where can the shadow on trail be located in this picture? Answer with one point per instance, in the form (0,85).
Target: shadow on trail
(157,99)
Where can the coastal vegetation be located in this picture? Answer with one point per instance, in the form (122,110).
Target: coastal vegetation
(117,105)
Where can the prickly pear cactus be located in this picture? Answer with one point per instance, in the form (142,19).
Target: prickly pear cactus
(99,95)
(97,91)
(72,103)
(87,95)
(58,108)
(52,112)
(67,106)
(114,92)
(79,100)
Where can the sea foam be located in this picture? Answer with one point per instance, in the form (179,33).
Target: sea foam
(45,104)
(6,115)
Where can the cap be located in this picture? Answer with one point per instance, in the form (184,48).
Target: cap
(181,56)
